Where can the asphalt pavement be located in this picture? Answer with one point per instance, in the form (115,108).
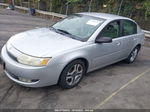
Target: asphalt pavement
(118,86)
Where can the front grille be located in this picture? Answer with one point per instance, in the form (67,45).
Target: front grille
(12,56)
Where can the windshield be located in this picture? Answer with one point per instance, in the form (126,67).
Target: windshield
(79,26)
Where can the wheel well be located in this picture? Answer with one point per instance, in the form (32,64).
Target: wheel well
(85,62)
(139,46)
(82,59)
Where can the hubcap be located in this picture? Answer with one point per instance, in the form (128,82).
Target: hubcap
(133,55)
(74,74)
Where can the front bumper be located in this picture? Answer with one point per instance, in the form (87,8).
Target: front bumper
(39,76)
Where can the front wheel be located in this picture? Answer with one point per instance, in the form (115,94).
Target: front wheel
(72,74)
(131,58)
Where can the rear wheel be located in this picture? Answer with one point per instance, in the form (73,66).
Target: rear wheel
(131,58)
(72,74)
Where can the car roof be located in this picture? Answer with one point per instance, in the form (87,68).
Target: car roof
(104,15)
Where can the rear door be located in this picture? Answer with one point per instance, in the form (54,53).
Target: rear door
(129,34)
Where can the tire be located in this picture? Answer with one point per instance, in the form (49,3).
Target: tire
(131,58)
(72,74)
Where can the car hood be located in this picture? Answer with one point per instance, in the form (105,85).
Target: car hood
(43,42)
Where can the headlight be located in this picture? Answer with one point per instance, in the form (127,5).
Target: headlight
(32,61)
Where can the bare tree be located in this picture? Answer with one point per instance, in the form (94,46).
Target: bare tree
(20,2)
(38,4)
(67,5)
(50,6)
(120,6)
(68,2)
(89,10)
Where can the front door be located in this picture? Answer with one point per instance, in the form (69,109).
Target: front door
(108,53)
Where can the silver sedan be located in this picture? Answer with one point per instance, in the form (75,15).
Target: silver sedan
(64,52)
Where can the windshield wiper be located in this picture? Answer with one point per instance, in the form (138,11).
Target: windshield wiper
(66,32)
(60,30)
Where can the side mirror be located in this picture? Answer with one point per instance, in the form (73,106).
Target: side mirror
(103,40)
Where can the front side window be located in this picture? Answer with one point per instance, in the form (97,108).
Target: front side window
(129,28)
(79,26)
(111,30)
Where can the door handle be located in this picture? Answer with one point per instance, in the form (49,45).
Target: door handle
(118,43)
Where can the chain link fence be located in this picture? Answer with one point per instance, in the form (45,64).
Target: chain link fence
(129,8)
(73,6)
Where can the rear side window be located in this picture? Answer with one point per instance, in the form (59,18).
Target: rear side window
(129,28)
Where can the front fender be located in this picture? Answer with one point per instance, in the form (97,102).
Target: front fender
(83,52)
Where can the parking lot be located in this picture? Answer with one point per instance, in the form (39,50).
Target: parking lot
(116,86)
